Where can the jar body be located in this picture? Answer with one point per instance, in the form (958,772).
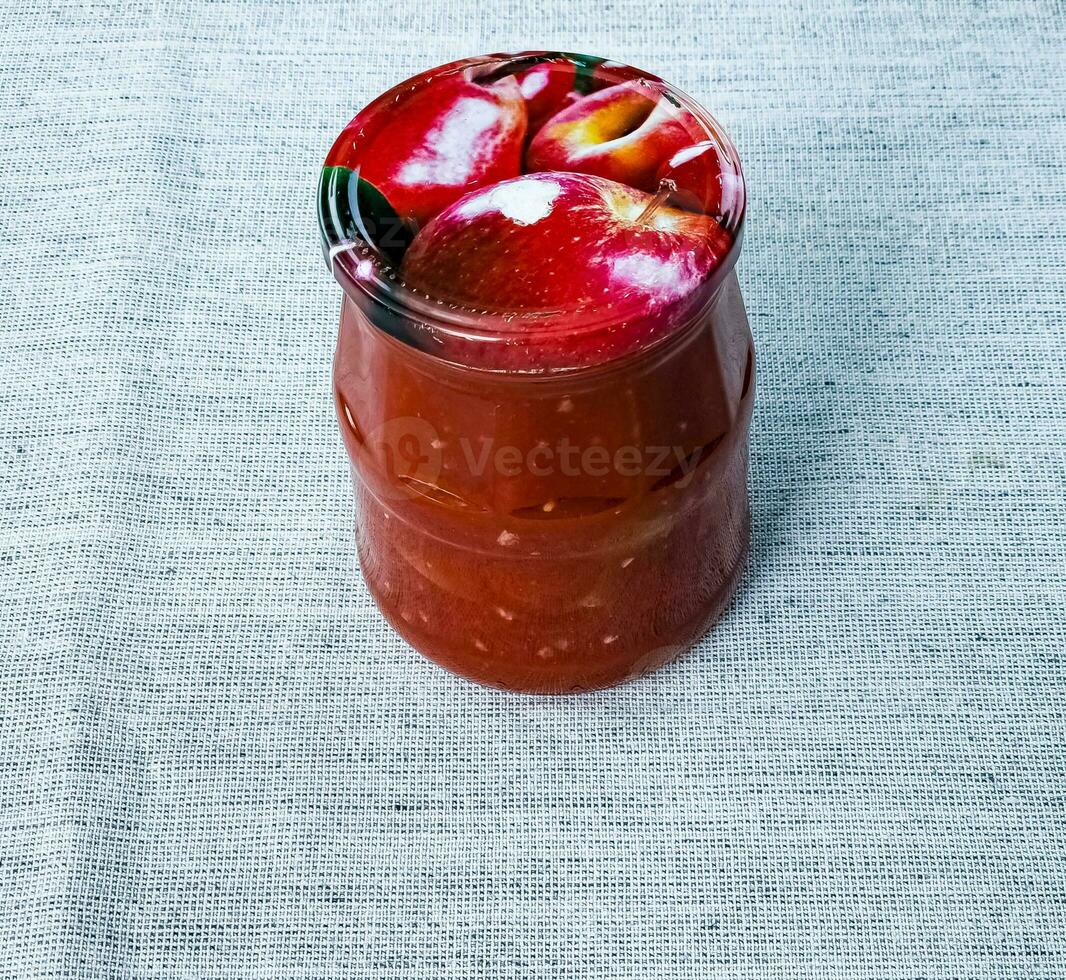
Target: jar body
(551,534)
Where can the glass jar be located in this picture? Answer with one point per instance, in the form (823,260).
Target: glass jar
(552,530)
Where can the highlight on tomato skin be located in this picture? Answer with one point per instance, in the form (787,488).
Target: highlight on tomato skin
(546,88)
(445,139)
(624,132)
(698,177)
(511,246)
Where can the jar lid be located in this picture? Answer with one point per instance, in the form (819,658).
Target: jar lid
(530,212)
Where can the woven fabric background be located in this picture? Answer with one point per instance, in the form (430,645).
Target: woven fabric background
(217,760)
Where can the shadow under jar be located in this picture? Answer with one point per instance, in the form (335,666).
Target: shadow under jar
(527,519)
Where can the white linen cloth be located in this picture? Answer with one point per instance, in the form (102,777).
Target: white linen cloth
(217,759)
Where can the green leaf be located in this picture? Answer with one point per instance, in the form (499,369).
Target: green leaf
(350,207)
(586,67)
(334,216)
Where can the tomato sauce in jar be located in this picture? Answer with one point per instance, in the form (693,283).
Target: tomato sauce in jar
(544,375)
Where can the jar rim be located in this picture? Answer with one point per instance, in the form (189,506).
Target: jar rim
(368,277)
